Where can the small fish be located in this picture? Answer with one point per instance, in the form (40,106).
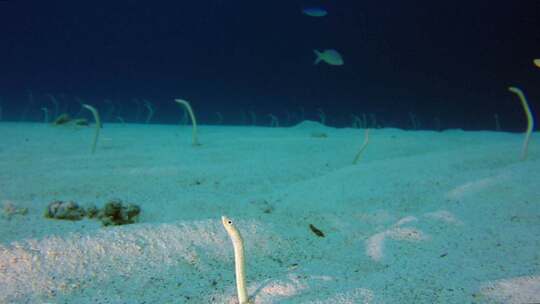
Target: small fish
(537,62)
(315,11)
(331,56)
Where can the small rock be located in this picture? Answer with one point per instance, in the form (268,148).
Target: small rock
(9,209)
(115,213)
(64,211)
(62,119)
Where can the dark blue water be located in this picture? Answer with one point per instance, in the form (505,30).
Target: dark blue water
(447,62)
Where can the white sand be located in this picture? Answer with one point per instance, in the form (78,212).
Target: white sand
(424,217)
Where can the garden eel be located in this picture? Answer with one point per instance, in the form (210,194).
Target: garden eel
(239,263)
(193,120)
(530,119)
(98,124)
(364,145)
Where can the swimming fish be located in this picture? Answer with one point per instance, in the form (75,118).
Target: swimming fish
(315,11)
(537,62)
(330,56)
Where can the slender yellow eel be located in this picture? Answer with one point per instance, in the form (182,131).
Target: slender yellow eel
(530,119)
(239,263)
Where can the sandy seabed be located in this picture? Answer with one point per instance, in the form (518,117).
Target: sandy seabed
(423,217)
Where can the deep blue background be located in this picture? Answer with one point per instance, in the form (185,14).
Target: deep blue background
(447,59)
